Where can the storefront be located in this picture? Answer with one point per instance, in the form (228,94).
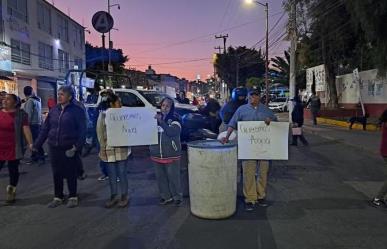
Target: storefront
(46,89)
(8,84)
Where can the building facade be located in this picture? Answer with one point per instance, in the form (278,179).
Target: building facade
(38,45)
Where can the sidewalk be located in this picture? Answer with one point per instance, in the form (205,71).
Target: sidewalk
(368,141)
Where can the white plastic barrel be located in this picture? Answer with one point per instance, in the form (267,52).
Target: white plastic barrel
(212,172)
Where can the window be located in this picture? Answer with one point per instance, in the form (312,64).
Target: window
(130,100)
(44,17)
(78,62)
(63,28)
(63,59)
(78,37)
(18,9)
(20,52)
(45,56)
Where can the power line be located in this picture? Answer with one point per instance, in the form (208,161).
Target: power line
(203,36)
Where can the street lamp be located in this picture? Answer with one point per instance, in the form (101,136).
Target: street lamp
(109,54)
(266,5)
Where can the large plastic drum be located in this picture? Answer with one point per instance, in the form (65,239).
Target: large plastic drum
(212,171)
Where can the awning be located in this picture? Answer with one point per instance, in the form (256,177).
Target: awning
(5,78)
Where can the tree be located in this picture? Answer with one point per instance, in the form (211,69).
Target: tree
(255,82)
(239,64)
(97,58)
(327,38)
(281,67)
(369,16)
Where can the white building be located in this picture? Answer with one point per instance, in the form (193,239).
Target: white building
(39,43)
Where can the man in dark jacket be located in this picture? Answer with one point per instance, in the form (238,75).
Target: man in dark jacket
(182,99)
(298,121)
(33,107)
(65,130)
(238,98)
(315,105)
(211,109)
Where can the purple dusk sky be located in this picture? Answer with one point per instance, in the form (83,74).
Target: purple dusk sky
(177,36)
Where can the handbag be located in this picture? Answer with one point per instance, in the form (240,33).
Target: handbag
(296,131)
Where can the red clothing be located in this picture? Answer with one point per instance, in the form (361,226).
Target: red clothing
(164,160)
(51,103)
(7,135)
(383,144)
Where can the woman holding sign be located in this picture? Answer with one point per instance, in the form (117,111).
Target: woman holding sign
(114,157)
(166,154)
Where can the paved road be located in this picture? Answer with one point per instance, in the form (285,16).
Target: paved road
(318,201)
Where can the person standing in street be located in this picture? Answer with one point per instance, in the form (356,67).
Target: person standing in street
(315,105)
(238,98)
(182,99)
(33,107)
(298,121)
(115,158)
(13,125)
(380,199)
(253,191)
(65,129)
(195,101)
(166,154)
(211,110)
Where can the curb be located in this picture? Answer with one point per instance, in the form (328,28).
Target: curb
(359,147)
(345,124)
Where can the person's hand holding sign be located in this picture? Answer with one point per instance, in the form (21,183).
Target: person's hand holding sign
(267,121)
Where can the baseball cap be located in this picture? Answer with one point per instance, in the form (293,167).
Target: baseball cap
(255,92)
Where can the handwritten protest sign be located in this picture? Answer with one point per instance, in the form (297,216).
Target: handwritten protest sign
(256,140)
(131,126)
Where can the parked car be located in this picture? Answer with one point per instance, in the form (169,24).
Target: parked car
(195,126)
(279,104)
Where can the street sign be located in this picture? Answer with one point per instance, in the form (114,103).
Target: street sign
(102,22)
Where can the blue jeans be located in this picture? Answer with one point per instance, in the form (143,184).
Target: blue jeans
(118,169)
(168,180)
(104,167)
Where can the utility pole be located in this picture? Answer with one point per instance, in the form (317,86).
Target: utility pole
(224,37)
(292,78)
(267,54)
(109,52)
(219,49)
(110,68)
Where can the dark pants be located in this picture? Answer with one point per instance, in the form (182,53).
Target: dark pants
(39,154)
(13,169)
(64,167)
(314,116)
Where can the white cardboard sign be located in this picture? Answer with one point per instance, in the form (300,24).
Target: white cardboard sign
(256,140)
(131,126)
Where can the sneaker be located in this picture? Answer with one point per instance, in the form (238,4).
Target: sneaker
(56,202)
(165,201)
(263,203)
(178,203)
(72,202)
(124,201)
(103,178)
(112,202)
(249,206)
(375,202)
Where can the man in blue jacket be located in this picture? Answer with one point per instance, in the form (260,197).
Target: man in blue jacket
(253,192)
